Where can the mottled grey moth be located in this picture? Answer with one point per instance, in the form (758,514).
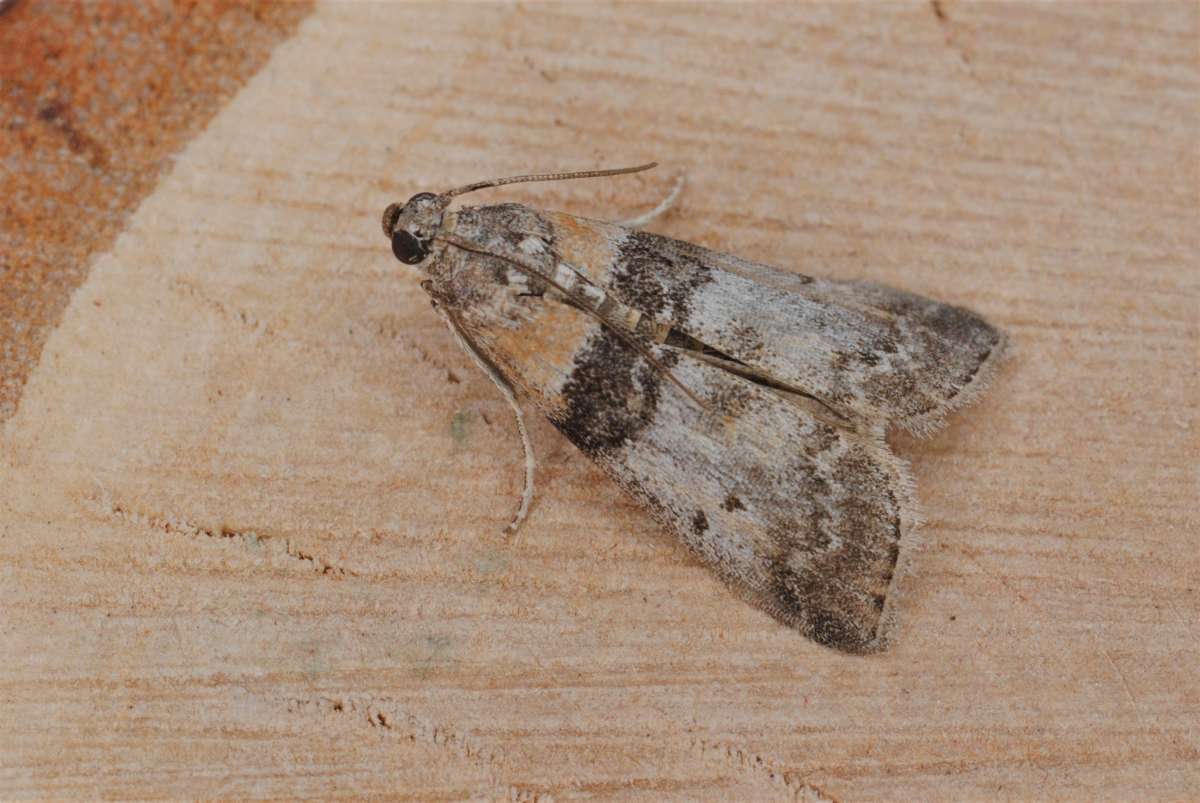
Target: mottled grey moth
(744,406)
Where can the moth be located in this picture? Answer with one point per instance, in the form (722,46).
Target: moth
(745,407)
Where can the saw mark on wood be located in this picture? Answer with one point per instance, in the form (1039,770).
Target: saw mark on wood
(224,309)
(389,327)
(760,769)
(385,715)
(320,565)
(943,18)
(251,540)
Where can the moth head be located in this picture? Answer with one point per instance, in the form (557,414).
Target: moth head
(412,226)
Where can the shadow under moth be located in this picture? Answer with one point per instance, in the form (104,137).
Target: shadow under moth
(743,406)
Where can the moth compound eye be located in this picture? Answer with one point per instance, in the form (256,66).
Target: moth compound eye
(407,248)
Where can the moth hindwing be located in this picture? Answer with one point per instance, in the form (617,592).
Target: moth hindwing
(745,407)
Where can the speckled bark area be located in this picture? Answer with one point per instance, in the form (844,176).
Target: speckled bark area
(95,99)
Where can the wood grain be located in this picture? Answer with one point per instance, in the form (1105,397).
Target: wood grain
(251,500)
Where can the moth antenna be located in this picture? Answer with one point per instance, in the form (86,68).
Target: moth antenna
(485,365)
(624,336)
(497,182)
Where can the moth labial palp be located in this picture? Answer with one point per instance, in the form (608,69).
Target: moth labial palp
(630,342)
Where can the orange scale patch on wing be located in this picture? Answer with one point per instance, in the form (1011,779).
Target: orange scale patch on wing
(540,353)
(589,246)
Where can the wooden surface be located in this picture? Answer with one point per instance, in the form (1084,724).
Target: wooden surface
(251,498)
(91,117)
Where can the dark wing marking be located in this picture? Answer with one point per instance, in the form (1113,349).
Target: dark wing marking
(800,517)
(864,349)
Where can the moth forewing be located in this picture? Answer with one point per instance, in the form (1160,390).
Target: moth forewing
(743,406)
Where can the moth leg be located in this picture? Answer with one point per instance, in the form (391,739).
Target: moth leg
(506,390)
(663,207)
